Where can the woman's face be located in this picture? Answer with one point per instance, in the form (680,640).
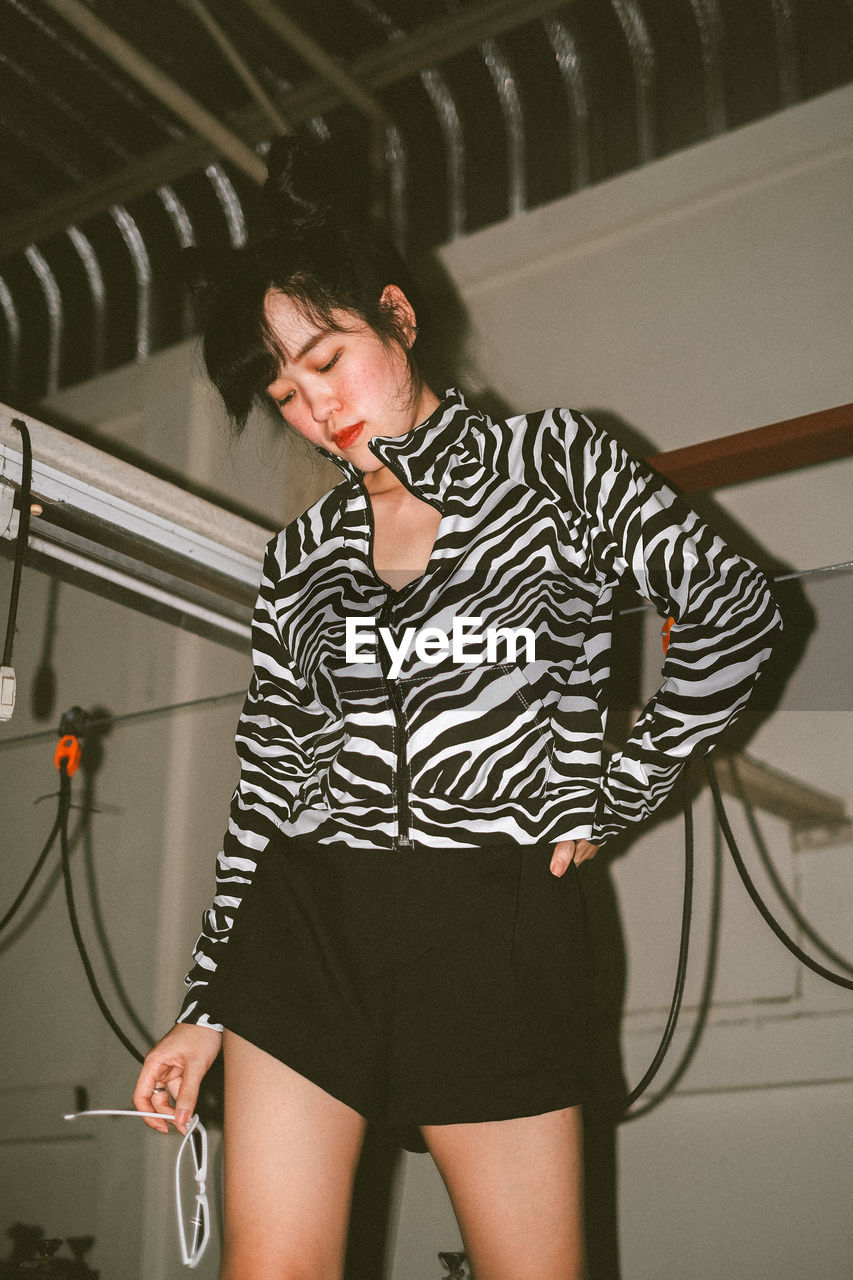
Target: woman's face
(341,388)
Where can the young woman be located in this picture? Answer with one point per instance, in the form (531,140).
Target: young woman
(397,934)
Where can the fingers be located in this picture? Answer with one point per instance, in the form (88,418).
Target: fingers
(174,1069)
(187,1095)
(585,851)
(571,851)
(561,859)
(152,1092)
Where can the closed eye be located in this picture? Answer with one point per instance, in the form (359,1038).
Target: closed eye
(334,360)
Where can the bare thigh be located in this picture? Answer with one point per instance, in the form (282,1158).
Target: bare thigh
(291,1152)
(517,1190)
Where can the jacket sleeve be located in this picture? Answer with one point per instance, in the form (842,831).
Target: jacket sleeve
(277,726)
(725,619)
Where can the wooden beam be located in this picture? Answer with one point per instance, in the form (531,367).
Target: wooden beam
(764,451)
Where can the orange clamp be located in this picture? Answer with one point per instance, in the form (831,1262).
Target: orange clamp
(69,750)
(664,634)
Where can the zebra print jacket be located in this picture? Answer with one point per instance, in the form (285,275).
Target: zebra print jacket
(353,734)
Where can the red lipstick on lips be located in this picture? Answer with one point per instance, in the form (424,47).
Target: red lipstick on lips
(346,438)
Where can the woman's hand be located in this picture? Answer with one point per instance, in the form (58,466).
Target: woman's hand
(175,1068)
(571,851)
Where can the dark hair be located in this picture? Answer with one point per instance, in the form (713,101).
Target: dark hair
(311,246)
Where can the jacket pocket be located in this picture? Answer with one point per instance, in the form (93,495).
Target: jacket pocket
(476,733)
(360,758)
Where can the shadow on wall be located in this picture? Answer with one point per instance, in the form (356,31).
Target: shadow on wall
(371,1206)
(798,615)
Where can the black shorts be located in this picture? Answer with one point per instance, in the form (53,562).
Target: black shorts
(423,986)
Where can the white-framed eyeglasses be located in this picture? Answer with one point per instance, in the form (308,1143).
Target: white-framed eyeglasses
(192,1154)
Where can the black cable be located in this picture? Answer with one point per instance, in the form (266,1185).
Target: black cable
(31,878)
(704,1005)
(681,971)
(104,722)
(64,807)
(776,880)
(764,911)
(99,924)
(22,538)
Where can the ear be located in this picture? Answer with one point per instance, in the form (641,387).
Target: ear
(393,299)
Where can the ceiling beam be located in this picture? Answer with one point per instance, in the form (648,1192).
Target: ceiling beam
(233,56)
(328,68)
(159,85)
(386,65)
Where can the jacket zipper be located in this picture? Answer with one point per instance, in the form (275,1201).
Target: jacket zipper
(401,776)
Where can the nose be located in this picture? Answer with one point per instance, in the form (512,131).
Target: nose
(325,403)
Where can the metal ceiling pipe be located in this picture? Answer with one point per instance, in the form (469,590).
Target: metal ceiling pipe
(447,114)
(161,86)
(377,69)
(569,61)
(132,238)
(178,216)
(13,330)
(95,277)
(53,303)
(786,51)
(461,30)
(711,37)
(506,88)
(635,29)
(230,203)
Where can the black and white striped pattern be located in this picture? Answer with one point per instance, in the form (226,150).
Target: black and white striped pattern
(542,516)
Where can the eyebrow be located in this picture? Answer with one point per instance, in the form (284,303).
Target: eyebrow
(309,346)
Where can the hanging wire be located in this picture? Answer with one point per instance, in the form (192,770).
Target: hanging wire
(32,877)
(22,536)
(844,567)
(150,712)
(64,807)
(776,880)
(683,948)
(704,1005)
(838,979)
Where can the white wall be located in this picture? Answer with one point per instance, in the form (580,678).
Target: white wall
(702,295)
(162,797)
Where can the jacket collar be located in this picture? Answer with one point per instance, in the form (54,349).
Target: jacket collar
(425,458)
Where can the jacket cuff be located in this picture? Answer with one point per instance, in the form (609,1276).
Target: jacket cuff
(192,1013)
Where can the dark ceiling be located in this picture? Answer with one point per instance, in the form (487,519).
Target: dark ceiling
(131,130)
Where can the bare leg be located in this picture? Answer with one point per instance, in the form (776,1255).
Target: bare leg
(291,1152)
(517,1190)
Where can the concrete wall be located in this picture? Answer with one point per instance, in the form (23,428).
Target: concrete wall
(705,294)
